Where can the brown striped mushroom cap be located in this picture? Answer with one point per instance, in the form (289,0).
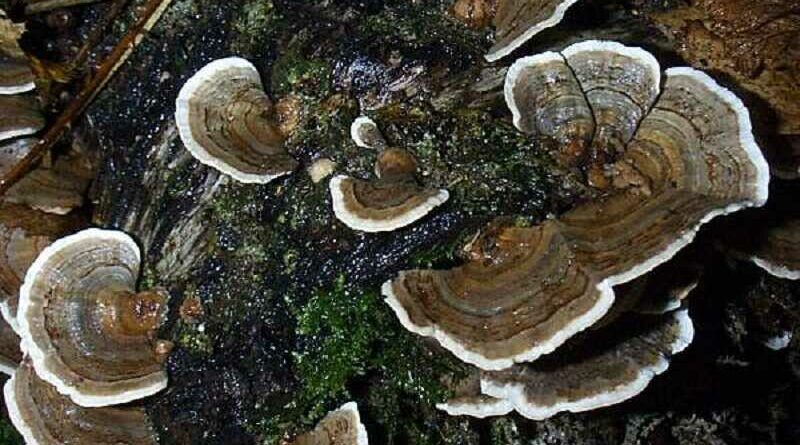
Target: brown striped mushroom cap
(228,122)
(340,427)
(87,331)
(15,72)
(10,354)
(395,199)
(45,417)
(693,158)
(19,116)
(24,233)
(516,21)
(601,373)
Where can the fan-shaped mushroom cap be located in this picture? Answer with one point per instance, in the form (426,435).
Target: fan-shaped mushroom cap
(24,233)
(227,122)
(15,73)
(365,133)
(45,417)
(392,201)
(516,21)
(19,116)
(694,151)
(10,355)
(12,151)
(86,330)
(779,252)
(594,380)
(340,427)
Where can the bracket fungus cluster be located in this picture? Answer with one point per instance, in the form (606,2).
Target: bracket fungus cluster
(84,326)
(340,427)
(688,147)
(394,199)
(45,417)
(227,121)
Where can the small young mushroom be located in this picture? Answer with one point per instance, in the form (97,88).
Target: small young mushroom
(544,284)
(44,417)
(24,233)
(516,21)
(15,73)
(365,133)
(227,122)
(340,427)
(87,331)
(19,116)
(395,199)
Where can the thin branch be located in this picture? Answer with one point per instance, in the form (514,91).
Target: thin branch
(150,13)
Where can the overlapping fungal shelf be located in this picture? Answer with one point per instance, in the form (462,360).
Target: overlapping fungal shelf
(227,121)
(45,417)
(689,156)
(516,21)
(86,330)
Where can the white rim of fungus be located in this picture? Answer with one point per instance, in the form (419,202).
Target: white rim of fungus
(10,318)
(514,393)
(778,270)
(8,367)
(361,431)
(17,132)
(355,134)
(14,414)
(374,225)
(487,408)
(453,345)
(558,16)
(209,74)
(42,359)
(17,89)
(633,52)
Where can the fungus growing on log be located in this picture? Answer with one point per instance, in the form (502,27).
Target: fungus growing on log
(19,116)
(611,371)
(516,21)
(15,72)
(86,329)
(395,199)
(696,159)
(45,417)
(227,122)
(24,233)
(340,427)
(10,355)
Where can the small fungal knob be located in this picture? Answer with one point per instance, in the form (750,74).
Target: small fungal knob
(395,162)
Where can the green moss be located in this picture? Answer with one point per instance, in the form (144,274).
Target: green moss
(296,70)
(9,435)
(253,24)
(350,339)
